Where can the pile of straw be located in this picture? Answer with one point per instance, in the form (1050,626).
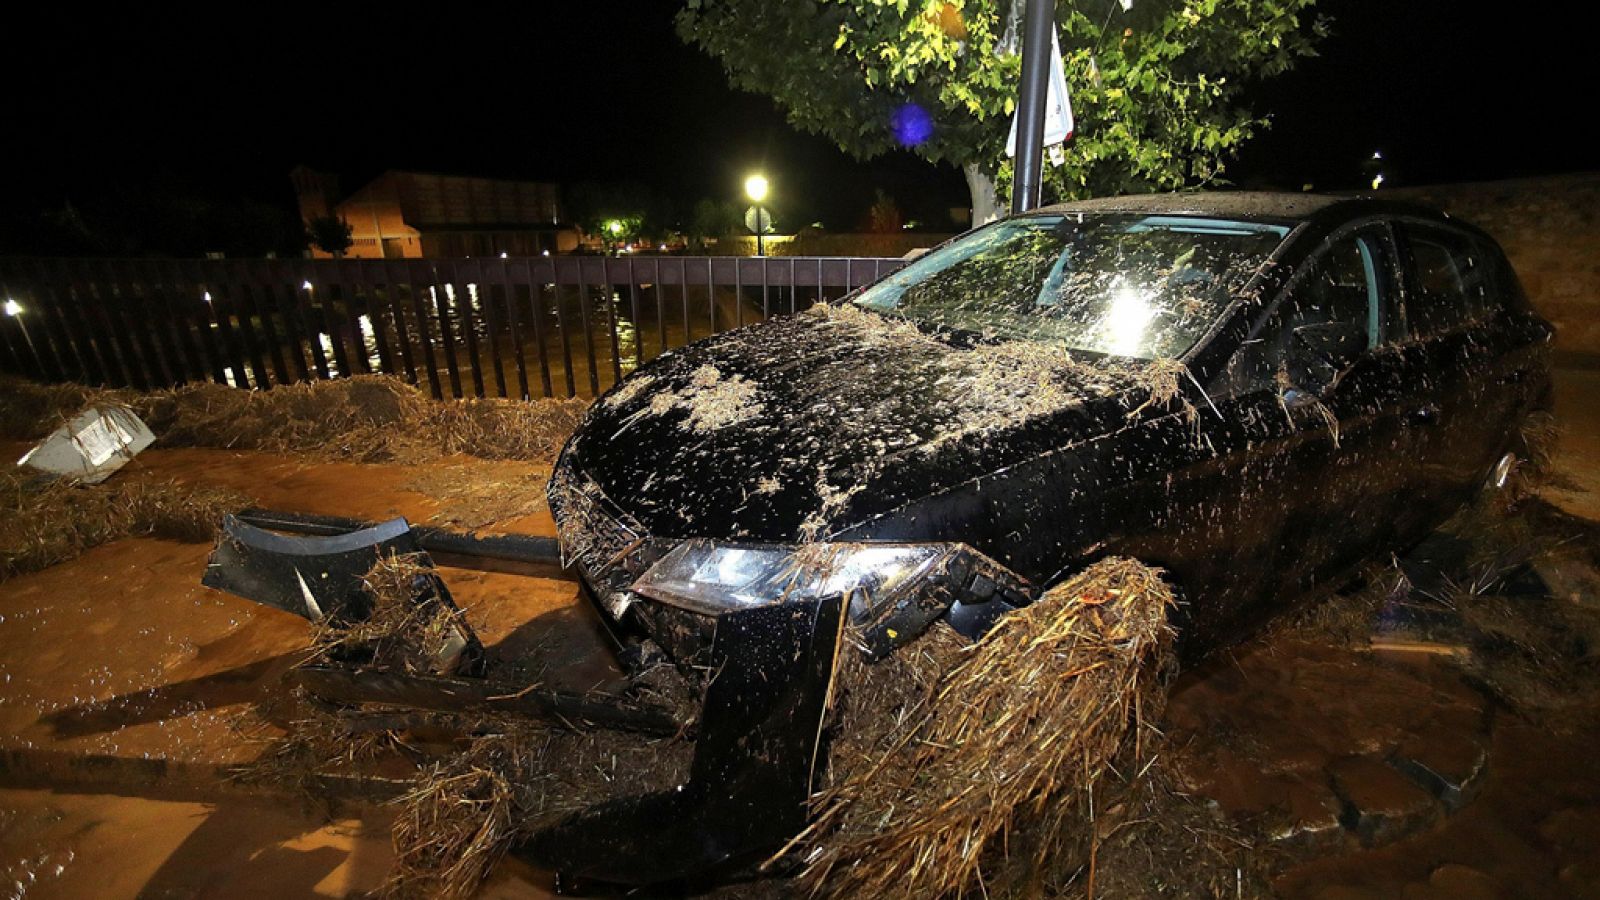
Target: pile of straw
(365,418)
(974,768)
(46,522)
(461,818)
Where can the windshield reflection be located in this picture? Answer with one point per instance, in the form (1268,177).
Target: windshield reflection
(1140,286)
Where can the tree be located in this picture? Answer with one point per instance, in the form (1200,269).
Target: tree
(1157,89)
(330,234)
(714,219)
(884,216)
(641,212)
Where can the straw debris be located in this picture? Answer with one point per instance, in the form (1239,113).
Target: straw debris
(1001,384)
(712,401)
(469,808)
(366,418)
(959,768)
(478,494)
(44,522)
(408,627)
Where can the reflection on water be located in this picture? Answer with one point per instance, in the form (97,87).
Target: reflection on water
(472,328)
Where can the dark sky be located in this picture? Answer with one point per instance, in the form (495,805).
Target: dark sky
(226,102)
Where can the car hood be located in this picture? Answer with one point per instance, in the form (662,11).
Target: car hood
(799,428)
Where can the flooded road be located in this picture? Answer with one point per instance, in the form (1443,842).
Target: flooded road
(123,682)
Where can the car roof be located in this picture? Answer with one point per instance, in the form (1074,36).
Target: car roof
(1268,205)
(1233,204)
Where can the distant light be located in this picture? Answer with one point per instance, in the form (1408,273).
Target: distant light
(663,247)
(504,255)
(13,308)
(614,226)
(911,124)
(306,285)
(755,187)
(544,252)
(1377,154)
(1377,181)
(207,296)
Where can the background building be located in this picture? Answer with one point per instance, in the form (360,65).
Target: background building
(421,214)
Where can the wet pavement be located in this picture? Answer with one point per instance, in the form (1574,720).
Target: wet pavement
(122,681)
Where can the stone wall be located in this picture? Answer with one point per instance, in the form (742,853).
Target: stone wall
(1550,228)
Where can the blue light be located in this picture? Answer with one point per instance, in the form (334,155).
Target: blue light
(911,125)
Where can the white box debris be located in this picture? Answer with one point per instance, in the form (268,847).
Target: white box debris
(98,442)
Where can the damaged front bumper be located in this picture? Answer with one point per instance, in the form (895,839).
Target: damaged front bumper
(762,627)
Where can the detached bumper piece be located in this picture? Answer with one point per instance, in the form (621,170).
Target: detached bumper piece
(320,578)
(753,767)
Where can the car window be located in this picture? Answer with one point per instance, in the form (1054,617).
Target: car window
(1453,280)
(1347,283)
(1133,285)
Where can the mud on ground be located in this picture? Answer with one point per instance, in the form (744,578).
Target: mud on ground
(1297,764)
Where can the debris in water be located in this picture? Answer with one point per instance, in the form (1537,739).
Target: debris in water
(42,524)
(367,418)
(94,444)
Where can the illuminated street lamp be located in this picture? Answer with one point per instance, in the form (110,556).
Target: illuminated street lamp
(755,187)
(14,310)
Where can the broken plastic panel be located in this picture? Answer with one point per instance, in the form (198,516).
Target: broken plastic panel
(97,442)
(321,578)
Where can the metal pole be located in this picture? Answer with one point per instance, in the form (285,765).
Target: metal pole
(1026,186)
(761,247)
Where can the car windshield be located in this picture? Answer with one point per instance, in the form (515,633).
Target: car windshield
(1142,286)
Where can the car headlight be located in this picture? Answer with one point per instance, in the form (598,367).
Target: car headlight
(893,590)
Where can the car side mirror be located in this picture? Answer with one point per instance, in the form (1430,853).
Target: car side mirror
(1319,355)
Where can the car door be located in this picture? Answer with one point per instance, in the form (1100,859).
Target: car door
(1320,479)
(1462,357)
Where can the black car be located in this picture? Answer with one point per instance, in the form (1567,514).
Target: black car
(1254,392)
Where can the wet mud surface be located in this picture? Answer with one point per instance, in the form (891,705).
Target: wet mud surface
(122,681)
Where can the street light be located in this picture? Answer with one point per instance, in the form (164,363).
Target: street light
(755,187)
(13,308)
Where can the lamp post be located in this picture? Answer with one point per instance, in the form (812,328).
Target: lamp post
(755,187)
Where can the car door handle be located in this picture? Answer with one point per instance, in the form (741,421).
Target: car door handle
(1424,415)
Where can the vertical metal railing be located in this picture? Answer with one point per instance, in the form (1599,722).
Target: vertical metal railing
(521,328)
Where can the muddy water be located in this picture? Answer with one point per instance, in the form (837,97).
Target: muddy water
(70,845)
(121,656)
(1534,831)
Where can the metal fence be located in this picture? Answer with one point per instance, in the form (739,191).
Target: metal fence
(536,327)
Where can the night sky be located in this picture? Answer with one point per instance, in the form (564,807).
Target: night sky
(223,105)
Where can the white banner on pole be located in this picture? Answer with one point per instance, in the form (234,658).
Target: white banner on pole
(1057,105)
